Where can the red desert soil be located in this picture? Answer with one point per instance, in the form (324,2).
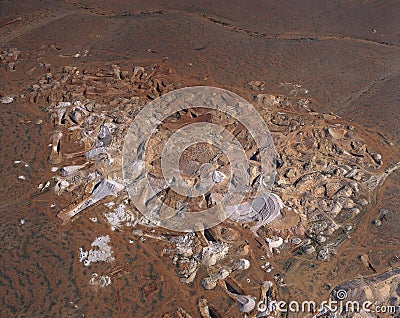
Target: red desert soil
(346,53)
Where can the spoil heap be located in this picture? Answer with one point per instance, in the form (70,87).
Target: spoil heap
(326,175)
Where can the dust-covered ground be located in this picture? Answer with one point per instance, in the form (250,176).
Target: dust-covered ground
(345,55)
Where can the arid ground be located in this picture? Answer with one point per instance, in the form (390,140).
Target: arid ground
(345,53)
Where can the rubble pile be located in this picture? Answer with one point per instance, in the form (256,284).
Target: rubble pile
(9,57)
(326,175)
(119,216)
(90,116)
(103,253)
(7,99)
(325,171)
(98,281)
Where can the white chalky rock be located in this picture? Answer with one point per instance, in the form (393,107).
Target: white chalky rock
(245,303)
(209,282)
(6,99)
(241,264)
(63,104)
(102,254)
(100,281)
(119,217)
(274,242)
(222,274)
(211,254)
(218,176)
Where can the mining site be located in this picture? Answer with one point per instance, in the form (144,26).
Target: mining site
(181,159)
